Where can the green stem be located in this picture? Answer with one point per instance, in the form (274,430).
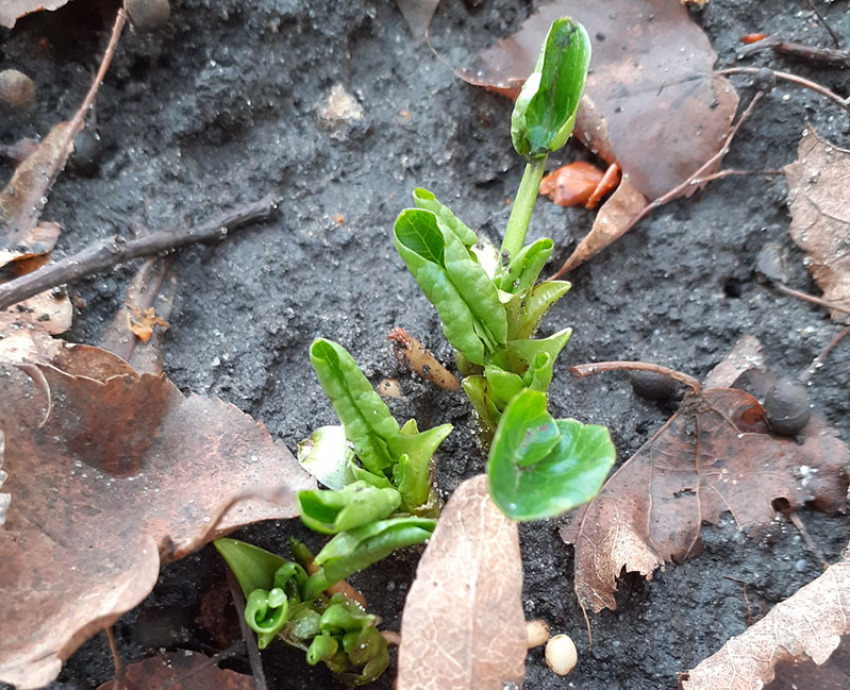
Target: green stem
(523,206)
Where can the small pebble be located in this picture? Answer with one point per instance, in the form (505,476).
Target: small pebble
(86,155)
(16,89)
(801,565)
(653,386)
(561,654)
(148,15)
(786,406)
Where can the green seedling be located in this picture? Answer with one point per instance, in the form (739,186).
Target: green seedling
(280,604)
(490,310)
(540,467)
(382,503)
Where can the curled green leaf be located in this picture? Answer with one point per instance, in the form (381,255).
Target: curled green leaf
(357,504)
(540,467)
(322,648)
(426,200)
(545,111)
(266,614)
(253,567)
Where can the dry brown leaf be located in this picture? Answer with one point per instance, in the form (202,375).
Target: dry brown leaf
(819,197)
(49,312)
(714,455)
(463,627)
(12,10)
(809,624)
(613,220)
(652,102)
(24,197)
(418,14)
(179,671)
(120,473)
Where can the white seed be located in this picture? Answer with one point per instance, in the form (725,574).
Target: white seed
(561,654)
(538,633)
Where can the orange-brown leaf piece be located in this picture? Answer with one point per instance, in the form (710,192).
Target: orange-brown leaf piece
(463,627)
(179,671)
(652,102)
(819,194)
(12,10)
(807,625)
(714,455)
(110,474)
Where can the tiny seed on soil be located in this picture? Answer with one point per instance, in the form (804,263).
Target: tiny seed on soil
(561,654)
(786,406)
(538,633)
(16,89)
(652,385)
(389,388)
(148,15)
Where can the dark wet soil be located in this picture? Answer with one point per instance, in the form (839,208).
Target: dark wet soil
(222,106)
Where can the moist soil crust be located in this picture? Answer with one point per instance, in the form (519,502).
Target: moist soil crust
(222,105)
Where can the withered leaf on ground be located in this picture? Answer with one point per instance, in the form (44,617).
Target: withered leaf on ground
(463,627)
(179,671)
(12,10)
(418,14)
(714,455)
(809,625)
(110,473)
(652,102)
(819,196)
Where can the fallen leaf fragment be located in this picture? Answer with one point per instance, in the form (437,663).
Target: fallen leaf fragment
(714,455)
(819,198)
(808,625)
(141,323)
(4,498)
(179,671)
(463,626)
(111,473)
(12,10)
(50,312)
(652,101)
(614,219)
(418,14)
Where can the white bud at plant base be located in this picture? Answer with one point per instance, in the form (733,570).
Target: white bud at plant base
(561,654)
(538,633)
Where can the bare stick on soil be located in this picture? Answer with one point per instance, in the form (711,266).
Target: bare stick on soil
(818,361)
(811,298)
(679,189)
(825,23)
(117,661)
(825,56)
(794,79)
(103,255)
(422,361)
(583,370)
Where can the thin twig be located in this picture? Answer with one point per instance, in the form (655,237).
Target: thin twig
(793,78)
(583,370)
(826,56)
(823,21)
(818,361)
(679,189)
(794,519)
(811,298)
(720,174)
(103,255)
(247,634)
(117,661)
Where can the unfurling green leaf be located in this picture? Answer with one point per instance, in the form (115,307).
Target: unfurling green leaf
(426,200)
(367,421)
(266,614)
(253,567)
(545,111)
(540,467)
(412,474)
(465,298)
(356,505)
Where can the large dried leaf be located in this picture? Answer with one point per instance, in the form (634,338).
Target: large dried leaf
(807,625)
(179,671)
(110,473)
(12,10)
(714,455)
(652,102)
(463,626)
(819,196)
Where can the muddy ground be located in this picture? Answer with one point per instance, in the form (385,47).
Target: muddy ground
(221,107)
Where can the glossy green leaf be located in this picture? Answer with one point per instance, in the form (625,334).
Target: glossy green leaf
(344,616)
(475,388)
(528,484)
(357,504)
(367,421)
(536,305)
(327,455)
(426,200)
(465,298)
(266,613)
(521,354)
(545,111)
(502,386)
(368,649)
(350,552)
(322,648)
(412,474)
(523,271)
(253,567)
